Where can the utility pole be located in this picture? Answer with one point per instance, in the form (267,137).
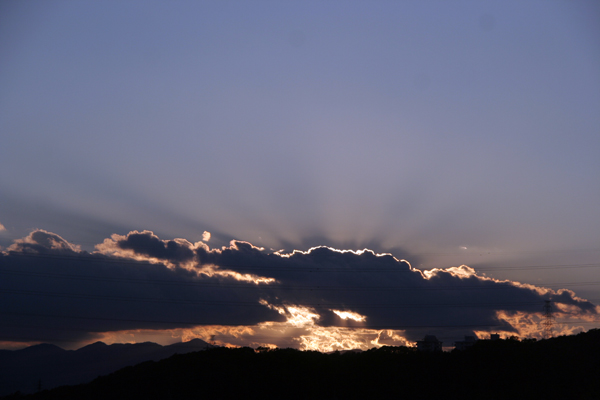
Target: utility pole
(548,320)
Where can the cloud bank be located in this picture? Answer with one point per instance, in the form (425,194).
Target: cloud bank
(322,298)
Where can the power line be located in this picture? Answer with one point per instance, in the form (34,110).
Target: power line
(256,304)
(215,323)
(425,253)
(252,285)
(299,267)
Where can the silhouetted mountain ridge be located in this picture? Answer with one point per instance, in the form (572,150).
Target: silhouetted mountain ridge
(23,370)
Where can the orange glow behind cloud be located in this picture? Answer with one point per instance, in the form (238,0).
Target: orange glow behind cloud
(300,330)
(350,315)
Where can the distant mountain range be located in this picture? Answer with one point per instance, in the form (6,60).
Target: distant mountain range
(48,366)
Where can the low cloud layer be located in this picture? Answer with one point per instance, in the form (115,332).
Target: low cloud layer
(322,298)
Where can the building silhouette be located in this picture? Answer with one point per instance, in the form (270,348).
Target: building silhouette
(429,343)
(465,344)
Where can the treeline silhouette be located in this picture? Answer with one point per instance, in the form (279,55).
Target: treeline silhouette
(566,367)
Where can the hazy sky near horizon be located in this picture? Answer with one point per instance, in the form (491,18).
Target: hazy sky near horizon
(445,133)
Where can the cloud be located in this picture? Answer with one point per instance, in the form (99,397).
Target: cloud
(176,253)
(2,228)
(42,242)
(146,245)
(53,292)
(322,298)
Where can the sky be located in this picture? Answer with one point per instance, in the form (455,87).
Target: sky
(311,174)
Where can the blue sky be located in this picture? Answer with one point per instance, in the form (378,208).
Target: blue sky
(445,133)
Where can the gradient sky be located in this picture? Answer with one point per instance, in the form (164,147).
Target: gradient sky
(444,133)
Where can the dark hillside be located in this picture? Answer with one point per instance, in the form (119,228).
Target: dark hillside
(564,367)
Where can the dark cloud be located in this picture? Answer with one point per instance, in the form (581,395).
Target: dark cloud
(53,291)
(386,290)
(148,244)
(50,291)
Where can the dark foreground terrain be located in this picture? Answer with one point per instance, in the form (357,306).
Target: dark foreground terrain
(566,367)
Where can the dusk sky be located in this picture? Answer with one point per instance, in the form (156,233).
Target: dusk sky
(216,169)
